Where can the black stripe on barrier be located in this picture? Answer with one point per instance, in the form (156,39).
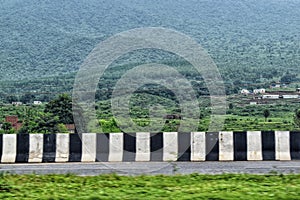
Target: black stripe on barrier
(212,146)
(22,148)
(156,146)
(102,149)
(268,145)
(240,146)
(75,149)
(184,146)
(49,148)
(295,145)
(1,146)
(129,147)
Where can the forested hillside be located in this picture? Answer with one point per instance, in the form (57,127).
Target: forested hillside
(43,43)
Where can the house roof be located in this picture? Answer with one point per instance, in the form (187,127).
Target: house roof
(70,126)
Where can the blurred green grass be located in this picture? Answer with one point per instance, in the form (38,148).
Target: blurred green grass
(193,186)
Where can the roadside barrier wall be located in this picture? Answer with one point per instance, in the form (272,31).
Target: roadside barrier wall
(167,146)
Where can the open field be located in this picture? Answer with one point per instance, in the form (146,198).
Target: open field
(192,186)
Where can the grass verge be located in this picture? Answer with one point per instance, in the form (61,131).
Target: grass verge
(194,186)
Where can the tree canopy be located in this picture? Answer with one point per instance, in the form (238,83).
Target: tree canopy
(297,118)
(42,123)
(266,114)
(62,108)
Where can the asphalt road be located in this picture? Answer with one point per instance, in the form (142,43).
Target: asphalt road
(152,168)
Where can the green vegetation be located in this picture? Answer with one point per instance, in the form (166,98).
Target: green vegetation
(49,118)
(253,44)
(7,128)
(283,114)
(194,186)
(43,123)
(62,108)
(240,115)
(297,118)
(266,114)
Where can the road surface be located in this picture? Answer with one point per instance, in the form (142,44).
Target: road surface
(152,168)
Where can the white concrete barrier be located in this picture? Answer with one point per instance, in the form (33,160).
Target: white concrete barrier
(254,145)
(89,143)
(116,144)
(226,146)
(36,148)
(142,147)
(198,149)
(62,147)
(9,148)
(170,146)
(282,144)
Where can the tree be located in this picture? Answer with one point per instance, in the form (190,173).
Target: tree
(109,126)
(42,123)
(288,78)
(11,98)
(297,118)
(27,98)
(266,114)
(7,128)
(61,107)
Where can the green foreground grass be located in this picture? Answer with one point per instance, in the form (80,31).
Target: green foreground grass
(192,186)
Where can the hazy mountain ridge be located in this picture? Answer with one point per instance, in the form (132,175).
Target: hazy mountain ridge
(49,38)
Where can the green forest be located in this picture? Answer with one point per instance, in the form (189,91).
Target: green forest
(253,43)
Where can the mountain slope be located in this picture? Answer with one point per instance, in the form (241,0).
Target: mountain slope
(51,38)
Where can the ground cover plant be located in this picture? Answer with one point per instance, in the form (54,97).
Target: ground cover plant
(193,186)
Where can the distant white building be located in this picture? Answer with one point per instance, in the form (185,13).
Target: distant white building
(253,103)
(37,103)
(270,96)
(259,91)
(290,96)
(284,85)
(275,85)
(245,91)
(17,103)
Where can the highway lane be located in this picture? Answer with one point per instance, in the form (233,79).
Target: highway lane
(152,168)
